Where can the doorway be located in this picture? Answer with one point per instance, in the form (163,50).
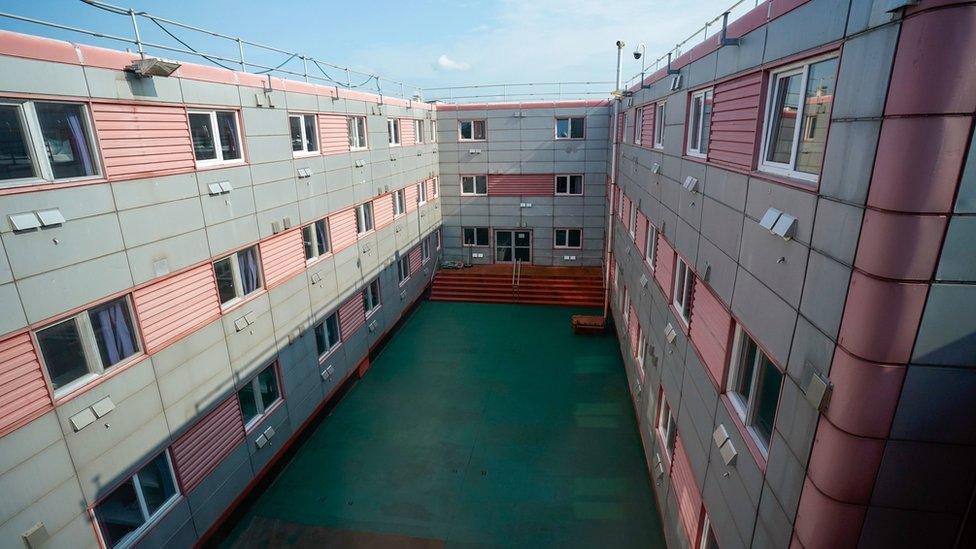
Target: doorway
(511,245)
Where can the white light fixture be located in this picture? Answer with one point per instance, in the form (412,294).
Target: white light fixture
(153,66)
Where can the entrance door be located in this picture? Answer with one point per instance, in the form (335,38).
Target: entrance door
(513,245)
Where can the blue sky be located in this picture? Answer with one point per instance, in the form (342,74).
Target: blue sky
(432,43)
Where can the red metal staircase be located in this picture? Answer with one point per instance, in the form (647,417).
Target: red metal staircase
(572,286)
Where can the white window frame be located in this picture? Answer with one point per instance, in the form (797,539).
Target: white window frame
(433,131)
(474,185)
(473,121)
(418,131)
(364,222)
(568,178)
(338,336)
(555,238)
(666,426)
(659,121)
(706,531)
(747,410)
(778,168)
(703,96)
(235,269)
(36,149)
(625,308)
(421,193)
(640,352)
(424,251)
(684,280)
(218,144)
(403,269)
(354,133)
(368,305)
(638,122)
(437,237)
(393,131)
(650,245)
(149,521)
(569,119)
(263,408)
(315,241)
(476,244)
(633,220)
(305,138)
(437,190)
(399,202)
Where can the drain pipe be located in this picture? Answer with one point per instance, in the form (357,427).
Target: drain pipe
(613,179)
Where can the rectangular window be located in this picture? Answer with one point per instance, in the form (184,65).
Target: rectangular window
(795,124)
(659,125)
(638,122)
(667,427)
(393,131)
(45,141)
(640,353)
(476,185)
(699,123)
(399,202)
(258,395)
(216,137)
(433,131)
(633,220)
(237,275)
(421,193)
(650,246)
(753,387)
(568,238)
(80,348)
(569,128)
(418,128)
(425,250)
(684,279)
(569,184)
(316,239)
(625,307)
(475,236)
(357,133)
(128,510)
(364,218)
(437,239)
(403,269)
(436,187)
(708,540)
(471,130)
(327,335)
(304,137)
(371,297)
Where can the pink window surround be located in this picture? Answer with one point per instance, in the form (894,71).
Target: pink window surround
(201,449)
(24,394)
(522,185)
(686,491)
(711,331)
(383,211)
(410,194)
(143,140)
(282,256)
(647,126)
(735,121)
(664,267)
(416,259)
(333,133)
(170,308)
(342,229)
(408,134)
(352,315)
(431,187)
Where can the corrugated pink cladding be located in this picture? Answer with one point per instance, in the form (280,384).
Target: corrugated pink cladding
(352,315)
(664,269)
(522,185)
(918,163)
(175,306)
(934,73)
(632,325)
(431,187)
(416,259)
(408,133)
(641,240)
(281,257)
(342,229)
(143,140)
(647,126)
(711,328)
(625,212)
(735,113)
(23,393)
(410,195)
(383,211)
(201,449)
(333,133)
(686,491)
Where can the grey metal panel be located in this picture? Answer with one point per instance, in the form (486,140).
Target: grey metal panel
(947,334)
(862,80)
(722,226)
(957,261)
(785,474)
(721,269)
(13,317)
(43,77)
(253,347)
(770,319)
(925,477)
(796,425)
(836,230)
(179,252)
(208,93)
(812,24)
(218,489)
(966,199)
(923,418)
(802,205)
(887,527)
(58,291)
(74,202)
(174,529)
(774,529)
(849,160)
(824,292)
(868,14)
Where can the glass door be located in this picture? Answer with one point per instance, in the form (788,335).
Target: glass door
(511,245)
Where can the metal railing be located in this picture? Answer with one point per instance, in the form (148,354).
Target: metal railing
(245,55)
(709,30)
(529,91)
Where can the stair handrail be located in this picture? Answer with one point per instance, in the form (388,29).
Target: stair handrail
(514,266)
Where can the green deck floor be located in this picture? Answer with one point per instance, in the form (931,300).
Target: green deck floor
(478,425)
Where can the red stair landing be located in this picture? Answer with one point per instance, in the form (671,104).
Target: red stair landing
(572,286)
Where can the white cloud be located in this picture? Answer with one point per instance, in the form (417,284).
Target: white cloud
(448,64)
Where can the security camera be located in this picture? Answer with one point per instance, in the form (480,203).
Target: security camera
(620,43)
(637,54)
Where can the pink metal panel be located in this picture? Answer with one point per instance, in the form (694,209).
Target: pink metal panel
(408,134)
(521,185)
(143,140)
(664,270)
(383,210)
(625,214)
(342,229)
(282,256)
(333,133)
(924,79)
(899,246)
(686,491)
(416,258)
(735,120)
(175,306)
(201,449)
(852,379)
(35,47)
(844,466)
(647,126)
(824,523)
(352,315)
(881,318)
(918,163)
(411,197)
(632,325)
(641,240)
(431,186)
(565,104)
(23,392)
(711,327)
(778,8)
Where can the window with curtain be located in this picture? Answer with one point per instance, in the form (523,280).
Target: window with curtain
(237,275)
(45,141)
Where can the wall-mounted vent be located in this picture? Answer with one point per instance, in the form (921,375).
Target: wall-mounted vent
(769,218)
(304,173)
(24,221)
(643,281)
(676,82)
(82,419)
(35,536)
(360,163)
(51,217)
(261,441)
(103,407)
(474,151)
(525,205)
(569,258)
(785,226)
(328,372)
(724,444)
(670,333)
(316,277)
(656,167)
(275,227)
(818,390)
(690,184)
